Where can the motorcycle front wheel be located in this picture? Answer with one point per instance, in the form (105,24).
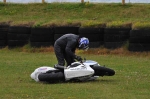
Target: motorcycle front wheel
(103,71)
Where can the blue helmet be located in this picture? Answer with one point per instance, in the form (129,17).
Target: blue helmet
(84,43)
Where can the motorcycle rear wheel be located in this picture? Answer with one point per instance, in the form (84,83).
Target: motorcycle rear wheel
(52,77)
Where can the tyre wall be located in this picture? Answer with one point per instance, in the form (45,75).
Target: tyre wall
(3,35)
(111,38)
(61,30)
(95,36)
(18,36)
(139,40)
(115,37)
(41,37)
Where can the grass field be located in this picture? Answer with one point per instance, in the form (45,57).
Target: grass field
(85,14)
(132,79)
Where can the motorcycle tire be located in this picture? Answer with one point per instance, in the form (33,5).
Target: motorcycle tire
(52,77)
(103,71)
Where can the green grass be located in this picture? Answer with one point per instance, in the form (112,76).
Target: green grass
(132,79)
(72,13)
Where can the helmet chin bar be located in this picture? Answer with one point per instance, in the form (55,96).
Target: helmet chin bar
(84,48)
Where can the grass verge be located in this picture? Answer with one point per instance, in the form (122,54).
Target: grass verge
(86,14)
(131,79)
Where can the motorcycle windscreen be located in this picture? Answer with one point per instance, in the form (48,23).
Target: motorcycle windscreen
(90,62)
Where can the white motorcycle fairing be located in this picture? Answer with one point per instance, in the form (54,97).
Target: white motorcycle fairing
(39,70)
(78,72)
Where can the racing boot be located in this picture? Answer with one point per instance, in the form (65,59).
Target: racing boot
(61,67)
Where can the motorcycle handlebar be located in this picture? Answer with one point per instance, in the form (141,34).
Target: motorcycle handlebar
(83,60)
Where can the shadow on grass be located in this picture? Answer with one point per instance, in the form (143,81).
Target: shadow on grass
(72,82)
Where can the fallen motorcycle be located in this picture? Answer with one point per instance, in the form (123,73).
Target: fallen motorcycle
(85,70)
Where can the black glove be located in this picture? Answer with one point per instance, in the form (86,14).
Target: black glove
(78,58)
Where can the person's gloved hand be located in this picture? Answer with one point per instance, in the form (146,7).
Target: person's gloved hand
(78,58)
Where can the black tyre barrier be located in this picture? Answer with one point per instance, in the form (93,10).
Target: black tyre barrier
(139,47)
(139,40)
(59,31)
(112,38)
(19,30)
(95,36)
(139,36)
(18,36)
(138,33)
(92,37)
(4,28)
(16,43)
(12,36)
(115,37)
(3,35)
(66,29)
(3,39)
(56,36)
(3,43)
(41,37)
(113,45)
(41,44)
(96,44)
(41,34)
